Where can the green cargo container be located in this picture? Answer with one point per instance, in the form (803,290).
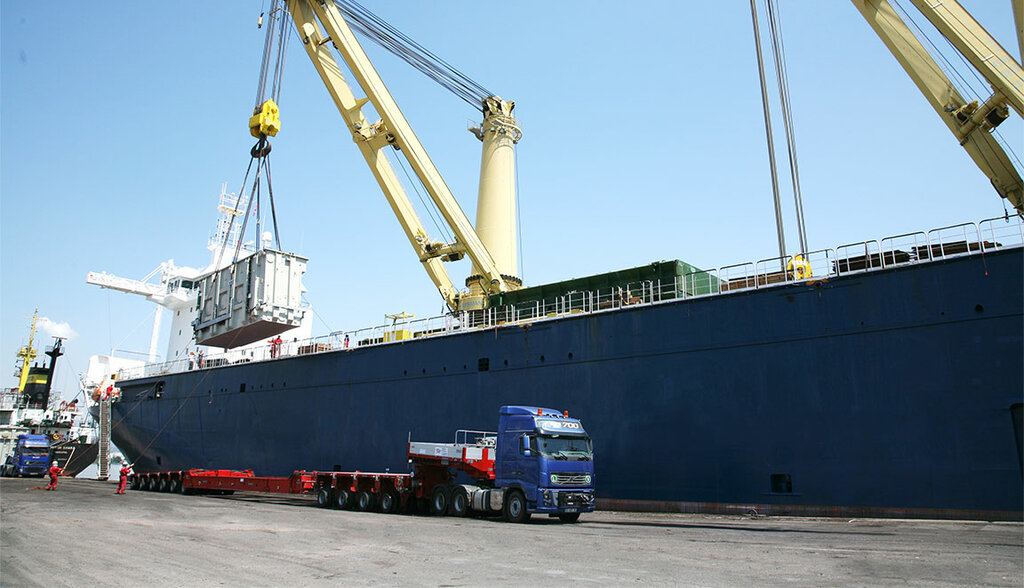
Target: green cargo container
(661,279)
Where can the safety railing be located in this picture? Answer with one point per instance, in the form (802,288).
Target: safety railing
(919,247)
(471,437)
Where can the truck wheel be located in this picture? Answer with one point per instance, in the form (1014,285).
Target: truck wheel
(439,500)
(150,484)
(515,507)
(165,485)
(569,517)
(343,499)
(459,504)
(174,486)
(364,501)
(134,484)
(389,502)
(323,497)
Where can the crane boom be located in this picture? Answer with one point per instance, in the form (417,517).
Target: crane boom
(320,23)
(969,122)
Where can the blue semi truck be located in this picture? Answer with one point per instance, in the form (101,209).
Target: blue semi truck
(539,461)
(31,457)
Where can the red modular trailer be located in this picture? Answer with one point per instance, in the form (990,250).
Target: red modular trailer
(362,491)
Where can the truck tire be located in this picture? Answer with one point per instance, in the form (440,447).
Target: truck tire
(569,517)
(439,500)
(174,486)
(323,497)
(165,485)
(342,498)
(134,484)
(365,501)
(514,509)
(389,502)
(458,505)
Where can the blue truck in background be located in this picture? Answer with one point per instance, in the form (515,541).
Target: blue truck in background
(31,457)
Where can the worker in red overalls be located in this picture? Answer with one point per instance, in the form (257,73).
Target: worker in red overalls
(126,470)
(54,472)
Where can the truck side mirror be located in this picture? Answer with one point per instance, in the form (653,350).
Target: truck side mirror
(525,444)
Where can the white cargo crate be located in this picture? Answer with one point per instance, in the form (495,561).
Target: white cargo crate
(257,297)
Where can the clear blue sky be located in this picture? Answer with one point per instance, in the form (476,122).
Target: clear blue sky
(643,141)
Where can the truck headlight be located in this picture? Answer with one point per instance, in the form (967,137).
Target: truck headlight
(547,496)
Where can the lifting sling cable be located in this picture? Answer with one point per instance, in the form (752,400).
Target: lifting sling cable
(394,41)
(775,32)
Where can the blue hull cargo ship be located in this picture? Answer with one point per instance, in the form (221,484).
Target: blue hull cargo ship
(884,383)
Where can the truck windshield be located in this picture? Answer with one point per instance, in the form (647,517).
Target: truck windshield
(35,451)
(565,448)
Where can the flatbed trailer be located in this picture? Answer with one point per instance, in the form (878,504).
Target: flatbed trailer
(359,490)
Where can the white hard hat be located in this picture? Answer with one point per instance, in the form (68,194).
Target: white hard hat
(55,463)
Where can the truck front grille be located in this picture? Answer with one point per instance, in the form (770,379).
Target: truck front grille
(569,479)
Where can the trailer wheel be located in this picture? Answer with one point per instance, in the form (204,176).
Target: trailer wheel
(389,502)
(364,501)
(569,517)
(135,483)
(515,507)
(323,497)
(459,504)
(165,485)
(150,484)
(439,500)
(342,498)
(174,486)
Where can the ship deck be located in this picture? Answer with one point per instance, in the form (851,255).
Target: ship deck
(886,254)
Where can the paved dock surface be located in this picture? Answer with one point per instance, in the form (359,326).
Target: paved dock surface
(85,535)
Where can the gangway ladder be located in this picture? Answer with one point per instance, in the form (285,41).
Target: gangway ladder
(104,457)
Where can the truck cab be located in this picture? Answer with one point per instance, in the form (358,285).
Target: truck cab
(546,459)
(31,457)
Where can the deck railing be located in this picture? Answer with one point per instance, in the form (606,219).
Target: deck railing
(866,256)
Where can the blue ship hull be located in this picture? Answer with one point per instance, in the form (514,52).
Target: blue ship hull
(892,391)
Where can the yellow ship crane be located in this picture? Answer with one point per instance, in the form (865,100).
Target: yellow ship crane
(970,122)
(26,354)
(491,246)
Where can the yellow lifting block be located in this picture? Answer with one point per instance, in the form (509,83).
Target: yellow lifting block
(265,121)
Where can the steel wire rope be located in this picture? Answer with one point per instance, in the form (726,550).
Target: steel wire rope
(442,228)
(394,41)
(775,32)
(268,43)
(966,89)
(282,44)
(231,221)
(985,84)
(270,194)
(519,223)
